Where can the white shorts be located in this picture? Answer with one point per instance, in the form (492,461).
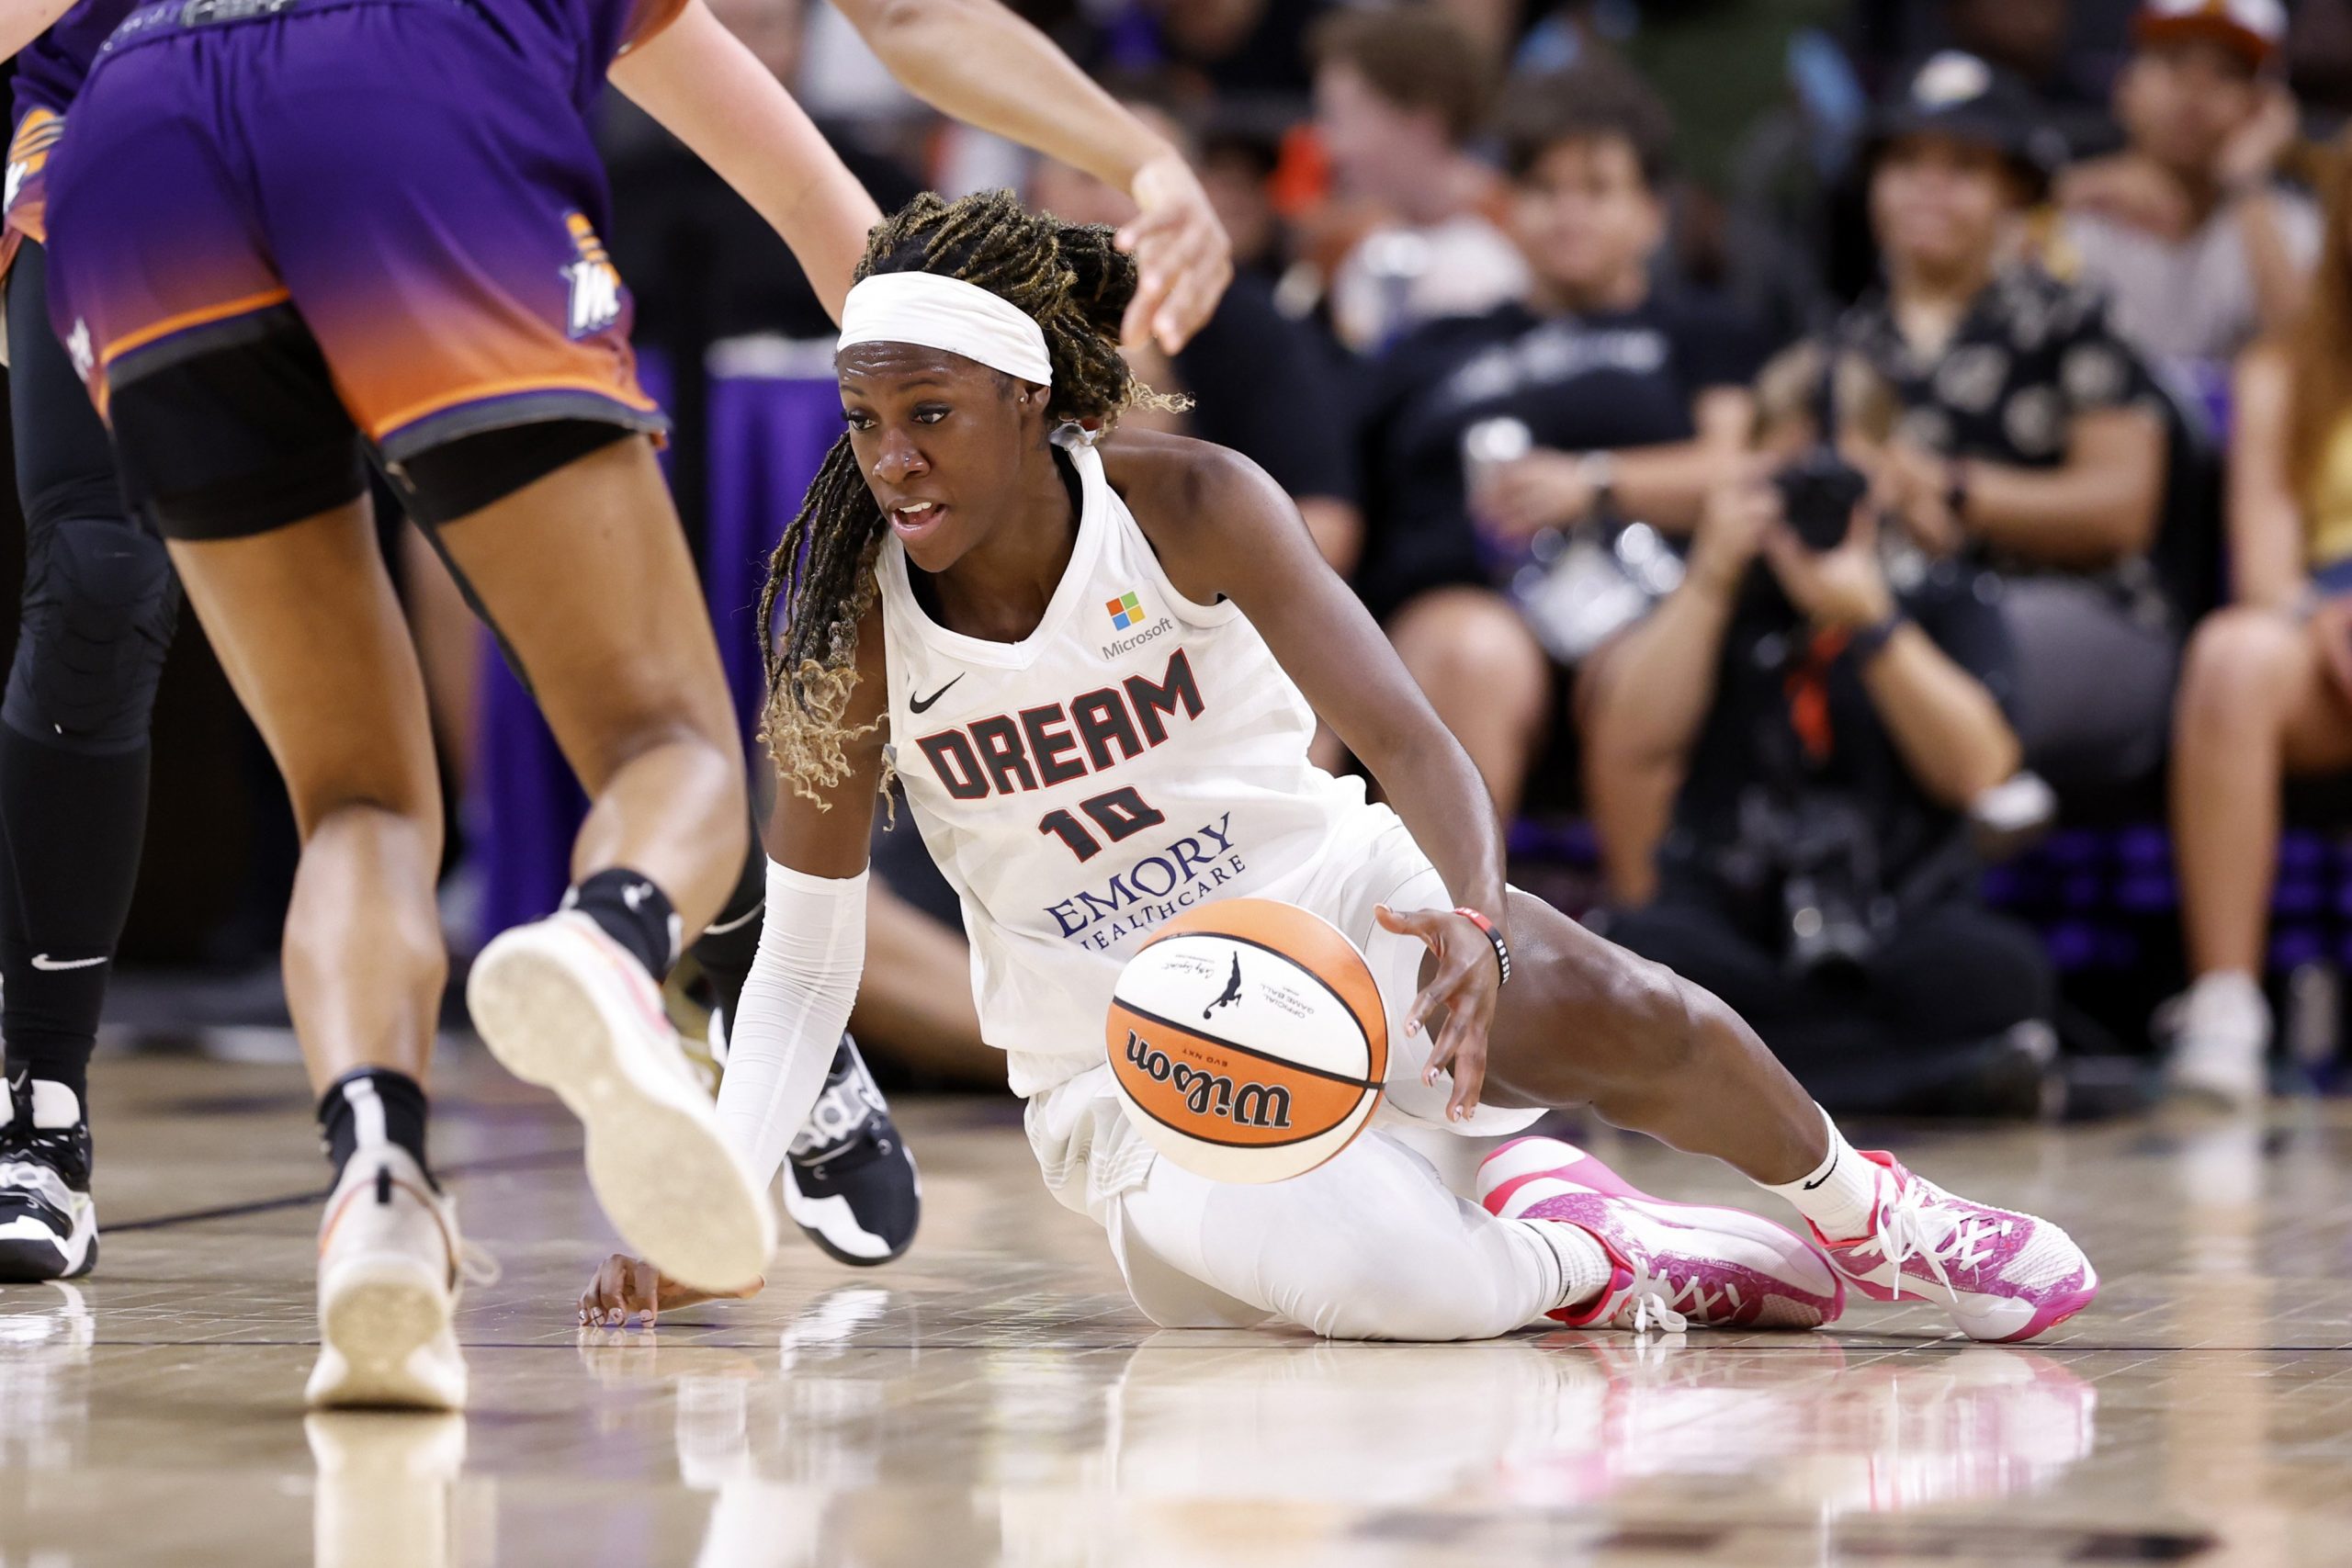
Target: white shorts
(1083,1140)
(1371,1245)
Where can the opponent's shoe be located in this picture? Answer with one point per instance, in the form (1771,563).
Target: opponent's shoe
(49,1226)
(561,1004)
(849,1179)
(389,1272)
(2004,1276)
(1676,1265)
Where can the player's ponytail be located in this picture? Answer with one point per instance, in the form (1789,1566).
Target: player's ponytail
(1077,285)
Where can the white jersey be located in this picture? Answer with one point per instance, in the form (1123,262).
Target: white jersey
(1134,756)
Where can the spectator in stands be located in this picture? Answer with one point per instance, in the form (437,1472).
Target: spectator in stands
(2030,435)
(2267,692)
(1831,730)
(1416,233)
(1632,400)
(1259,382)
(2187,229)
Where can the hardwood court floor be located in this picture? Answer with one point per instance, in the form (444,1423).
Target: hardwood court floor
(994,1399)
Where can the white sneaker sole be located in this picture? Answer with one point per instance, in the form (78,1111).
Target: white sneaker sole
(384,1338)
(659,1165)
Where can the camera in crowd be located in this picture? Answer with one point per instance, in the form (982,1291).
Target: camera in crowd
(1819,491)
(1835,911)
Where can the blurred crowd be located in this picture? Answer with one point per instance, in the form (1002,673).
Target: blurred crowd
(1819,446)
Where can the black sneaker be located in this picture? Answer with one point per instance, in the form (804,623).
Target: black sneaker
(49,1226)
(848,1179)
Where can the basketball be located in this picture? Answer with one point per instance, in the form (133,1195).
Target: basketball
(1249,1041)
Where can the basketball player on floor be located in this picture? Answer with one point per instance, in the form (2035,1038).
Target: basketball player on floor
(100,609)
(940,604)
(285,235)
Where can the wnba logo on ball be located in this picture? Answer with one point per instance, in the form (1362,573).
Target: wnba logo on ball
(1211,1094)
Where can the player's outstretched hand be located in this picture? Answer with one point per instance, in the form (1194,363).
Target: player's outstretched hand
(1463,988)
(1182,255)
(629,1288)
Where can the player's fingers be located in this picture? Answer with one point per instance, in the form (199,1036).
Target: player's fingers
(1466,1051)
(1192,300)
(644,1292)
(1409,922)
(604,1291)
(1134,327)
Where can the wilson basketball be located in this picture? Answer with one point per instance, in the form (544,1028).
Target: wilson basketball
(1249,1041)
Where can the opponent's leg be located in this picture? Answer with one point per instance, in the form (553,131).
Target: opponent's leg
(100,606)
(565,535)
(308,629)
(1585,1021)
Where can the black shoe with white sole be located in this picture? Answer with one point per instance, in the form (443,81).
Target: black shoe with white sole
(849,1180)
(49,1226)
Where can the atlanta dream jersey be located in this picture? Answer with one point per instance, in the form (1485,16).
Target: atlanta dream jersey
(1135,755)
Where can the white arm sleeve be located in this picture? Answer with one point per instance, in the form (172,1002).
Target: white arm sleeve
(795,1004)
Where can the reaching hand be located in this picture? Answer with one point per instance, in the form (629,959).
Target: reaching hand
(1182,252)
(1463,988)
(626,1288)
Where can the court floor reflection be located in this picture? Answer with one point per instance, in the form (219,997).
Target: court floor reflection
(995,1400)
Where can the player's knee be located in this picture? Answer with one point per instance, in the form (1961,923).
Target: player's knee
(100,606)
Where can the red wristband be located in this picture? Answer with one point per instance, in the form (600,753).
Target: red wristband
(1487,929)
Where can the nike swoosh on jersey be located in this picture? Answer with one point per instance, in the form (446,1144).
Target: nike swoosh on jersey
(922,705)
(43,961)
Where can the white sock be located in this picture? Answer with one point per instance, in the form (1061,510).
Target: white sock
(1585,1267)
(1840,1193)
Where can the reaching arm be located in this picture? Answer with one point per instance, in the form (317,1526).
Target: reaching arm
(712,94)
(2266,524)
(1223,529)
(22,21)
(976,60)
(812,940)
(796,999)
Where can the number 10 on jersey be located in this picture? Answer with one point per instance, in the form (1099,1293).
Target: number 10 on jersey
(1118,815)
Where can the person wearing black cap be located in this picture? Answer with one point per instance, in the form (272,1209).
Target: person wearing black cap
(2200,247)
(2029,436)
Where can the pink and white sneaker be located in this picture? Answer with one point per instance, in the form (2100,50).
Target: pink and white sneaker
(2005,1276)
(1678,1265)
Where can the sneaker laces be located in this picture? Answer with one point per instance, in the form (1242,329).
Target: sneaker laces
(1909,1228)
(1653,1294)
(841,1113)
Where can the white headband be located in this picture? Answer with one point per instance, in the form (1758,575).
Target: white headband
(948,313)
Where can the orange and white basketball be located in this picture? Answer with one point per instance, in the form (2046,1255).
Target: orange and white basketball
(1249,1041)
